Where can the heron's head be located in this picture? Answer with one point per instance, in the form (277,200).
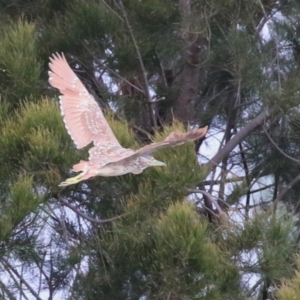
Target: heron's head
(152,162)
(156,163)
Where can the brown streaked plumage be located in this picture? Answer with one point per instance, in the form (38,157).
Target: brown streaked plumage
(86,123)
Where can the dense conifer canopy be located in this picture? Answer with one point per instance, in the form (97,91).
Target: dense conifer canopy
(221,221)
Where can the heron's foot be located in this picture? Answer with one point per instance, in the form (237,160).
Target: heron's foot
(72,180)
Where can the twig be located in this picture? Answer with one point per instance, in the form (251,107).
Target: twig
(63,225)
(255,205)
(247,177)
(228,180)
(139,57)
(141,130)
(154,99)
(60,221)
(83,215)
(214,170)
(6,291)
(112,71)
(278,148)
(276,43)
(261,189)
(10,269)
(285,190)
(255,286)
(209,196)
(162,70)
(123,78)
(40,265)
(114,12)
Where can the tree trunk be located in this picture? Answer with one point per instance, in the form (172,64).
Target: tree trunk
(184,104)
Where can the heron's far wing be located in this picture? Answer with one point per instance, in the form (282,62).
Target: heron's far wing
(175,138)
(82,115)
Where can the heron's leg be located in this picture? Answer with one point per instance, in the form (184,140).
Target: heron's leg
(73,180)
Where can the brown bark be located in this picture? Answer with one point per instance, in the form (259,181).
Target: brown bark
(190,76)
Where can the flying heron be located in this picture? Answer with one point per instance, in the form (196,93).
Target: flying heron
(86,123)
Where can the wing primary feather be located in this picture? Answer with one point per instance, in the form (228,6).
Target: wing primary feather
(75,103)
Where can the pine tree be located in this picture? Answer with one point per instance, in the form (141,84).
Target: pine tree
(224,227)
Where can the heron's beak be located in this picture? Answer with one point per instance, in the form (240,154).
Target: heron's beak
(157,163)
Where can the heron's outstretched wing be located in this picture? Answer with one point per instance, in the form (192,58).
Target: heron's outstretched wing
(83,117)
(175,138)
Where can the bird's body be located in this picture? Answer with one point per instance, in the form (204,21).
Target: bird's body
(134,166)
(86,123)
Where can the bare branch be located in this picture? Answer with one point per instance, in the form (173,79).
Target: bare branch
(228,180)
(261,189)
(278,148)
(209,196)
(7,292)
(141,130)
(124,79)
(113,11)
(11,268)
(285,190)
(244,132)
(92,220)
(62,223)
(99,62)
(255,286)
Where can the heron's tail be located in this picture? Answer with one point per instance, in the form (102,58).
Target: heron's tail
(81,166)
(72,180)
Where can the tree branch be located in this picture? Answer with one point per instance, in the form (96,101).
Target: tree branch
(6,290)
(244,132)
(285,190)
(209,196)
(278,148)
(10,268)
(83,215)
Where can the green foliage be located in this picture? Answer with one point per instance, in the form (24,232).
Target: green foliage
(159,187)
(269,240)
(290,289)
(184,245)
(20,68)
(20,201)
(36,141)
(165,254)
(4,110)
(164,244)
(84,21)
(37,10)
